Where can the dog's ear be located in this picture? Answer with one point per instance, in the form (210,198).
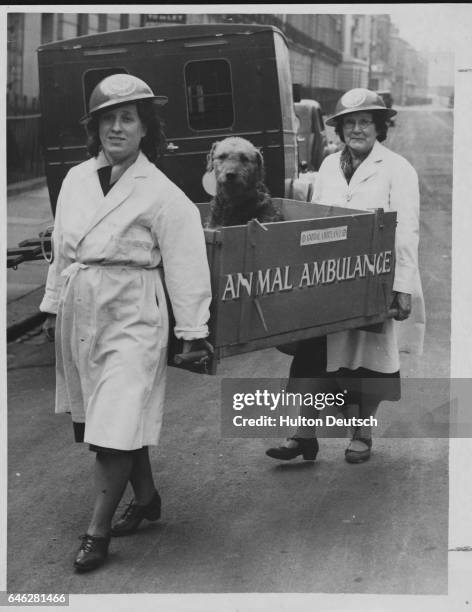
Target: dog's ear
(210,157)
(260,165)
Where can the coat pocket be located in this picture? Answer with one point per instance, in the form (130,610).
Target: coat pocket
(150,308)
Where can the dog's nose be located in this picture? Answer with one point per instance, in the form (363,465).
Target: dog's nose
(230,176)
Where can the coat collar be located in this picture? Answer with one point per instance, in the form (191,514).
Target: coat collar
(120,192)
(370,165)
(140,167)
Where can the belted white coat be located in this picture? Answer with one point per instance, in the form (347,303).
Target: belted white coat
(383,180)
(106,288)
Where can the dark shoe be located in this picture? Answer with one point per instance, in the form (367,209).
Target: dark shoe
(307,447)
(359,455)
(134,514)
(92,552)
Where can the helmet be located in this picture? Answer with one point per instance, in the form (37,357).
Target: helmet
(359,99)
(120,89)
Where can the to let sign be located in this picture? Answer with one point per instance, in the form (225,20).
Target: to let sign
(150,20)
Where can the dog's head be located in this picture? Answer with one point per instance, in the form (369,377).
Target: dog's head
(237,163)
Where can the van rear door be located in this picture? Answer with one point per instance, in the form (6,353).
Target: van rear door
(231,87)
(221,80)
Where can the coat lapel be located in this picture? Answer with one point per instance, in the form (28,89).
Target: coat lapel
(118,194)
(369,166)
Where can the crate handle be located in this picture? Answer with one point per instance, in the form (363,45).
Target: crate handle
(199,357)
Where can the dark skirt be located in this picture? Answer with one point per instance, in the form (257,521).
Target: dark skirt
(79,431)
(310,362)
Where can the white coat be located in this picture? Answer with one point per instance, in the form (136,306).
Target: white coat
(105,286)
(383,180)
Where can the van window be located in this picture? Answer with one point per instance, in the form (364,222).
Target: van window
(209,94)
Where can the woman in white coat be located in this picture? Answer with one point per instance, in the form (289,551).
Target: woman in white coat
(365,175)
(118,217)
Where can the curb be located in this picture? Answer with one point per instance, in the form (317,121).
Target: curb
(21,187)
(19,329)
(23,314)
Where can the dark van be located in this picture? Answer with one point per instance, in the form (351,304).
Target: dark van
(221,80)
(386,97)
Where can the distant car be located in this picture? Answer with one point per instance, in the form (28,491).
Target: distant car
(388,101)
(311,135)
(386,97)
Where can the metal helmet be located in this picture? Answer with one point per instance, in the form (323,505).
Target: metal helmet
(120,89)
(359,99)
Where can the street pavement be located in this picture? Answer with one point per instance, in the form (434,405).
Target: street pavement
(235,521)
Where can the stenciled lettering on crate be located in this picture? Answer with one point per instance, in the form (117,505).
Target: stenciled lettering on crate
(308,274)
(323,269)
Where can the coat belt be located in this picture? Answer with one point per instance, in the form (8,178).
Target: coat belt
(72,269)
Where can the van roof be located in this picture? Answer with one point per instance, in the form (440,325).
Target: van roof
(158,34)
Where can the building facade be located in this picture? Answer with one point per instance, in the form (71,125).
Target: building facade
(27,31)
(381,73)
(354,70)
(315,42)
(409,71)
(441,67)
(328,53)
(375,56)
(366,52)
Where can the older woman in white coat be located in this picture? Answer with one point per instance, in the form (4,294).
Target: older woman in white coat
(365,175)
(118,217)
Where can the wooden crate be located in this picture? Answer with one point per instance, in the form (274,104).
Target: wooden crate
(323,269)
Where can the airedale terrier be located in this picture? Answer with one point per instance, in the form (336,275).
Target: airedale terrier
(240,191)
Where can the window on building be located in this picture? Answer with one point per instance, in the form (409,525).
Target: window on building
(67,25)
(124,22)
(47,28)
(135,21)
(82,24)
(93,24)
(209,94)
(16,33)
(60,27)
(113,22)
(102,22)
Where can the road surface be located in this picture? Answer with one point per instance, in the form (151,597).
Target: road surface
(233,519)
